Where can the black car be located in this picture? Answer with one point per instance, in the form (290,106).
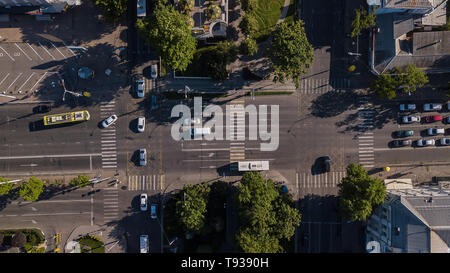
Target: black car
(401,143)
(42,109)
(403,133)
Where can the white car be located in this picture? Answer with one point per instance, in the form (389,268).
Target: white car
(141,124)
(109,120)
(432,107)
(142,157)
(407,107)
(425,142)
(435,131)
(445,141)
(143,243)
(410,119)
(153,211)
(140,88)
(143,199)
(194,121)
(154,72)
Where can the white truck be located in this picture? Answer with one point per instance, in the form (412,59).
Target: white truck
(245,166)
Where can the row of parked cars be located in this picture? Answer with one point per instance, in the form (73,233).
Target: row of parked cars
(428,107)
(420,142)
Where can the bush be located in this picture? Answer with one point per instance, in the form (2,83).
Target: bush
(248,47)
(80,181)
(91,244)
(19,239)
(249,24)
(248,5)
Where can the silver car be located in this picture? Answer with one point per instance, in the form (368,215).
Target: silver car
(407,107)
(410,119)
(141,124)
(435,131)
(432,107)
(143,205)
(140,88)
(425,142)
(109,120)
(142,157)
(154,72)
(445,141)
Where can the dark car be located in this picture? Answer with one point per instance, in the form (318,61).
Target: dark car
(42,109)
(401,143)
(326,163)
(403,133)
(433,118)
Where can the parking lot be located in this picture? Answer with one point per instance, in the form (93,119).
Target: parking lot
(24,67)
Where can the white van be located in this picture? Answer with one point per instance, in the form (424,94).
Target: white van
(200,131)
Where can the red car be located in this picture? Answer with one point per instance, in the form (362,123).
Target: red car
(433,118)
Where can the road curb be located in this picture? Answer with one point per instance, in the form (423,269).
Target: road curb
(28,102)
(417,165)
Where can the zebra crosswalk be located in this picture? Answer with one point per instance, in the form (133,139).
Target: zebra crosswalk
(322,85)
(323,180)
(237,137)
(366,139)
(108,137)
(110,204)
(146,182)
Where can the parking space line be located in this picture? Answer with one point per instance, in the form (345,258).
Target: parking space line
(35,52)
(38,82)
(4,79)
(23,52)
(8,54)
(58,50)
(20,74)
(20,88)
(69,49)
(47,51)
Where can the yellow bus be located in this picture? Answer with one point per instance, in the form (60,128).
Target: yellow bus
(77,116)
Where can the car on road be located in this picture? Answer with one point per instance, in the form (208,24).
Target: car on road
(154,71)
(143,157)
(434,118)
(445,141)
(140,88)
(143,243)
(326,161)
(141,124)
(143,198)
(435,131)
(109,120)
(154,105)
(410,119)
(432,107)
(194,121)
(403,133)
(42,109)
(153,211)
(425,142)
(407,107)
(401,143)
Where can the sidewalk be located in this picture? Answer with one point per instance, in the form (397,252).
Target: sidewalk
(418,173)
(114,241)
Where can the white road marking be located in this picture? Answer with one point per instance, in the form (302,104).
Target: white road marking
(20,88)
(38,81)
(47,51)
(23,52)
(73,54)
(4,78)
(47,156)
(35,52)
(13,82)
(58,50)
(8,54)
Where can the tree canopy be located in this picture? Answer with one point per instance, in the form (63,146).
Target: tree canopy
(114,9)
(290,52)
(359,193)
(362,21)
(168,32)
(191,209)
(31,190)
(5,188)
(385,86)
(411,78)
(248,47)
(80,181)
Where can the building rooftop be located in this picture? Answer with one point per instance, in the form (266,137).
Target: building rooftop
(409,4)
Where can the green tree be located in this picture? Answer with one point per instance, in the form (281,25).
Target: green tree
(80,181)
(248,5)
(114,9)
(31,190)
(248,47)
(249,24)
(5,188)
(169,33)
(411,78)
(290,52)
(362,21)
(253,241)
(216,58)
(359,193)
(191,210)
(385,86)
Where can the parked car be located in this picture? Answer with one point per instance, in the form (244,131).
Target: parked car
(432,107)
(141,124)
(403,133)
(435,118)
(143,199)
(42,109)
(448,106)
(143,243)
(143,157)
(154,71)
(435,131)
(154,104)
(448,120)
(109,120)
(410,119)
(407,107)
(425,142)
(445,141)
(401,143)
(140,88)
(153,211)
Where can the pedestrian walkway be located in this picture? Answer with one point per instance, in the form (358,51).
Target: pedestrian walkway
(110,204)
(366,138)
(322,85)
(237,136)
(108,137)
(146,182)
(323,180)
